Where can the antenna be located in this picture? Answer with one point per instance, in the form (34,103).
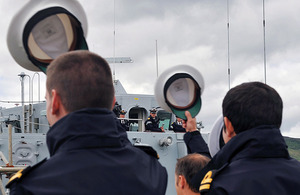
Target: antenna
(156,59)
(115,59)
(228,49)
(114,50)
(264,27)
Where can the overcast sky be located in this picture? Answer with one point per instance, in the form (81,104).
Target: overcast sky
(187,32)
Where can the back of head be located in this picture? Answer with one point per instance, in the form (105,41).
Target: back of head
(252,104)
(82,79)
(189,165)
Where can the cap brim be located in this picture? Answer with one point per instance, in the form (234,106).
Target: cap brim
(194,110)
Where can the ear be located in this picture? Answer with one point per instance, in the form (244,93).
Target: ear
(56,102)
(229,128)
(181,181)
(114,102)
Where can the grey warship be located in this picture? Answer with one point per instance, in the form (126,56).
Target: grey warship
(23,128)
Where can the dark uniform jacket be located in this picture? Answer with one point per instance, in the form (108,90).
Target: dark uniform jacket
(151,124)
(177,127)
(90,154)
(253,162)
(195,143)
(124,123)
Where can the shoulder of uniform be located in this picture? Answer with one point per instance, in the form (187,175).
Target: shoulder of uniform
(148,122)
(148,149)
(20,174)
(208,179)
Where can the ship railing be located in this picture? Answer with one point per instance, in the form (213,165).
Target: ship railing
(9,169)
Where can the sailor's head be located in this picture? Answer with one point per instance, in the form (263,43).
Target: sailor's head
(186,168)
(178,118)
(122,113)
(79,79)
(153,112)
(250,105)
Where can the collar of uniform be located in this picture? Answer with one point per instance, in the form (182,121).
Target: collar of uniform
(84,129)
(260,142)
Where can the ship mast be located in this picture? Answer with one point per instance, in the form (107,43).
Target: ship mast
(115,59)
(228,49)
(264,34)
(156,59)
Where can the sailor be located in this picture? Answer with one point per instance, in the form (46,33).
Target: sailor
(124,122)
(186,168)
(117,109)
(89,151)
(255,158)
(152,123)
(177,126)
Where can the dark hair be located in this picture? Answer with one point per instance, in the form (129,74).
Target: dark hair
(252,104)
(189,165)
(82,79)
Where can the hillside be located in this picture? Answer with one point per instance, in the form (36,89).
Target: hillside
(293,146)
